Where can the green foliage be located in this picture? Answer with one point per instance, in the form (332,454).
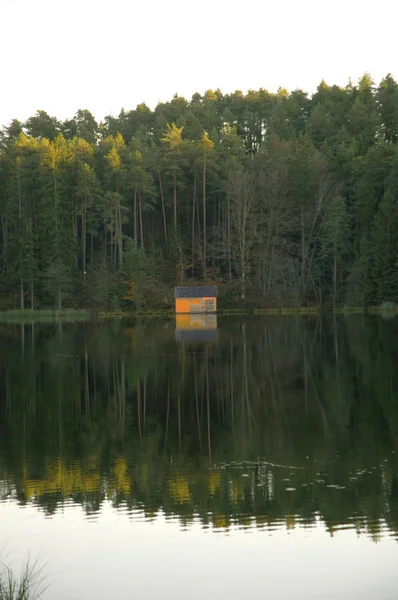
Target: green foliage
(321,223)
(100,284)
(57,284)
(139,276)
(385,249)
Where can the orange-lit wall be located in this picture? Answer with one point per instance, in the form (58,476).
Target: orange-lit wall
(183,305)
(189,305)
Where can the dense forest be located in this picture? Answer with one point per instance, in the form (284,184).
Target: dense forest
(278,198)
(119,412)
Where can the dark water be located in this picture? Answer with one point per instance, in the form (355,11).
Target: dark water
(259,458)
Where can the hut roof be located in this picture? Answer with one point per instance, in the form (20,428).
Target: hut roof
(196,291)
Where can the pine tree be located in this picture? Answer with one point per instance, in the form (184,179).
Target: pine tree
(385,249)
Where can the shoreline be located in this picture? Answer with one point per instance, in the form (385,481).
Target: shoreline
(76,315)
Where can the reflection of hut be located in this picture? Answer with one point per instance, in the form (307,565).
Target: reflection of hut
(196,328)
(196,299)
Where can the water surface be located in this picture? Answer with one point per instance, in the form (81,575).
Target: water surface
(244,456)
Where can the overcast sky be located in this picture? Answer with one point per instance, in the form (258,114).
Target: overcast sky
(62,55)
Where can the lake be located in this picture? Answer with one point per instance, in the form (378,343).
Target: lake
(239,456)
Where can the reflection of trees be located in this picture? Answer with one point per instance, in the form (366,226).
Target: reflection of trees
(120,412)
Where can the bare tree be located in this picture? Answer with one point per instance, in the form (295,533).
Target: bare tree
(312,217)
(277,219)
(242,230)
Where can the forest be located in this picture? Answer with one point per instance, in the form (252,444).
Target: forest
(281,199)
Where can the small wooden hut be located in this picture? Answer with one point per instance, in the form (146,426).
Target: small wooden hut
(196,299)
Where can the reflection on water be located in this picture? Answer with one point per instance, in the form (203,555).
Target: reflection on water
(196,327)
(284,423)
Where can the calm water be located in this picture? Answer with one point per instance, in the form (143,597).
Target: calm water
(258,458)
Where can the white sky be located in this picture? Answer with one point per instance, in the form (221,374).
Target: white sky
(101,55)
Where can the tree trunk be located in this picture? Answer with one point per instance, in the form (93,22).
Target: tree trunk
(22,295)
(204,216)
(74,231)
(302,253)
(135,217)
(84,230)
(219,225)
(163,208)
(214,227)
(19,193)
(243,279)
(120,234)
(141,227)
(193,225)
(334,281)
(111,239)
(56,211)
(4,228)
(22,303)
(32,295)
(270,270)
(229,236)
(175,198)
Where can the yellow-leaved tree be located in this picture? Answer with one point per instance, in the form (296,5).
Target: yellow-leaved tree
(173,139)
(206,147)
(56,156)
(113,158)
(25,149)
(83,153)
